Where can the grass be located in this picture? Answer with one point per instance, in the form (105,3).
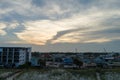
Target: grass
(57,74)
(6,70)
(53,74)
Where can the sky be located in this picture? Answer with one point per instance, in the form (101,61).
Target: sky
(61,25)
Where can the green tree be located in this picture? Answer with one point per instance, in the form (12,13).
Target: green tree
(77,62)
(26,65)
(42,62)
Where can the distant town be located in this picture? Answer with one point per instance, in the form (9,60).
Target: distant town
(19,57)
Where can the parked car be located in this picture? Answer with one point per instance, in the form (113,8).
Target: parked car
(70,66)
(53,64)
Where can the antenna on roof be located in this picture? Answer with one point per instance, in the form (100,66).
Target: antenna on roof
(76,50)
(105,50)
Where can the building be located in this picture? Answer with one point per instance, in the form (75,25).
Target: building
(35,61)
(14,56)
(68,61)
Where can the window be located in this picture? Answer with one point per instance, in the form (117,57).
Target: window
(1,49)
(10,49)
(5,49)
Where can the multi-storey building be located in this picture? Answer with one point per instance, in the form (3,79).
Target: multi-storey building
(14,56)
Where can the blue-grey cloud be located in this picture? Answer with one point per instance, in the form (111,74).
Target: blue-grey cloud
(5,4)
(12,16)
(18,28)
(112,21)
(10,34)
(110,31)
(15,16)
(38,3)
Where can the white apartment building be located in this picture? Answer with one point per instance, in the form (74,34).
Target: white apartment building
(14,56)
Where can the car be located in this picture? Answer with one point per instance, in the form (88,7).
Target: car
(70,66)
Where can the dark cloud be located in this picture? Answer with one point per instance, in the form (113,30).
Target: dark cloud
(38,3)
(4,4)
(19,28)
(62,33)
(111,28)
(112,21)
(13,16)
(86,2)
(8,38)
(107,31)
(11,36)
(111,31)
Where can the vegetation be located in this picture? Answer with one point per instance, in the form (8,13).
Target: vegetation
(66,74)
(42,62)
(77,62)
(25,66)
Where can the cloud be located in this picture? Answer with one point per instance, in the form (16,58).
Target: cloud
(80,28)
(15,10)
(62,33)
(96,31)
(50,9)
(2,26)
(38,3)
(7,32)
(98,40)
(13,25)
(66,21)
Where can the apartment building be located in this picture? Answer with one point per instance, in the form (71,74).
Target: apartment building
(14,56)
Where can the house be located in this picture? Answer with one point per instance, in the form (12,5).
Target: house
(67,60)
(69,63)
